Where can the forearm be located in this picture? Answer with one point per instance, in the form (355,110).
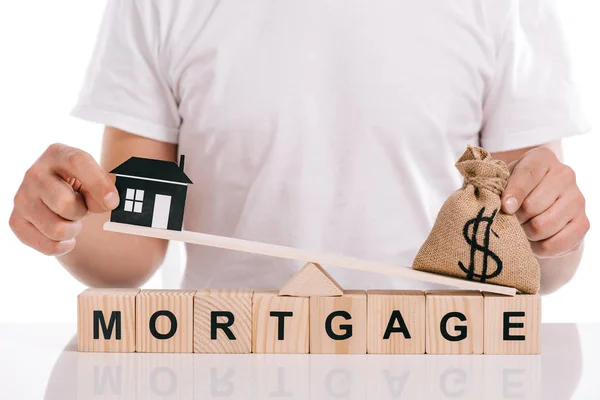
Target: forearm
(106,259)
(557,271)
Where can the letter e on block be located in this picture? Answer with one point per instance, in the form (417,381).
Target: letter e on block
(223,321)
(396,322)
(512,324)
(165,321)
(454,322)
(106,320)
(338,325)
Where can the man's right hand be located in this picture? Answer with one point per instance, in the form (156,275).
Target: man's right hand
(57,192)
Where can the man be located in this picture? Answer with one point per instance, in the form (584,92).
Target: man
(327,125)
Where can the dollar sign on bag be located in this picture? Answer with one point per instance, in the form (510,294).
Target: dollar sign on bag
(484,248)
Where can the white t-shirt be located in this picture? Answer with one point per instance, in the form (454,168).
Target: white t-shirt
(328,125)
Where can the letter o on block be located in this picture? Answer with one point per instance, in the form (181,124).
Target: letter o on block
(164,321)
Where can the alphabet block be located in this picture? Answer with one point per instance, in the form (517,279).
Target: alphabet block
(279,324)
(512,324)
(338,325)
(165,321)
(396,322)
(106,320)
(454,322)
(223,321)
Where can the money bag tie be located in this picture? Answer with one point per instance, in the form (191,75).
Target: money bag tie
(472,238)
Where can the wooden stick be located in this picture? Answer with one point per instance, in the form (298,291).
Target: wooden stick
(291,253)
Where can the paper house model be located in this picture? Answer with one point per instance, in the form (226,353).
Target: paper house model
(152,193)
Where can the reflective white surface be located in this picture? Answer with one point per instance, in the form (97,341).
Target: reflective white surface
(40,361)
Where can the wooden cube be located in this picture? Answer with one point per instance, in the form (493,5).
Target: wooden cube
(223,321)
(512,324)
(106,320)
(454,322)
(338,325)
(165,321)
(396,322)
(279,323)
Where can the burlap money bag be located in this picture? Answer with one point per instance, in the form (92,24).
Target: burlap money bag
(472,238)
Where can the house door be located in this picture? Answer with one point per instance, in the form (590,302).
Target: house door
(160,215)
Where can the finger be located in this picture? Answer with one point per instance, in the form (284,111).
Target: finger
(563,242)
(30,236)
(97,188)
(553,220)
(545,194)
(526,174)
(61,199)
(47,222)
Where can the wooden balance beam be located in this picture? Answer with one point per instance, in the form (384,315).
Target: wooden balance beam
(291,253)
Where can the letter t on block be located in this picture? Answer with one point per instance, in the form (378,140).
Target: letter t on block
(106,320)
(512,324)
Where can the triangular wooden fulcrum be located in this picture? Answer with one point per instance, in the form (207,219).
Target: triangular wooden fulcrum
(311,280)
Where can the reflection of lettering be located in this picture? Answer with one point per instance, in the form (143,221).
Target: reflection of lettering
(338,378)
(396,317)
(508,384)
(221,387)
(461,329)
(507,325)
(396,384)
(101,379)
(346,328)
(158,379)
(224,326)
(114,322)
(280,321)
(153,320)
(456,377)
(280,385)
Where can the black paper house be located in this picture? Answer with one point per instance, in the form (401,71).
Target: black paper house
(152,193)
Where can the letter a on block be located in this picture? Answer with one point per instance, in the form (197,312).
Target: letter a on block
(311,280)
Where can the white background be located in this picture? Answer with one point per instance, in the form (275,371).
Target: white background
(44,50)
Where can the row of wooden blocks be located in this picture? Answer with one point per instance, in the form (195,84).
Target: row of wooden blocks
(245,321)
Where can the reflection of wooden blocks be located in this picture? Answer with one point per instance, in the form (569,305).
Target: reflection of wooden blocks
(164,376)
(106,320)
(454,322)
(276,377)
(105,376)
(164,321)
(512,324)
(455,377)
(396,322)
(393,378)
(279,324)
(338,325)
(223,321)
(311,280)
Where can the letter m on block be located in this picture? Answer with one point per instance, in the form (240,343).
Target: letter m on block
(114,324)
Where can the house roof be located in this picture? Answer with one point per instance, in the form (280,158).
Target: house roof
(152,169)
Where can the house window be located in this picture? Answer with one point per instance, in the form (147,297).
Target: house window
(134,199)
